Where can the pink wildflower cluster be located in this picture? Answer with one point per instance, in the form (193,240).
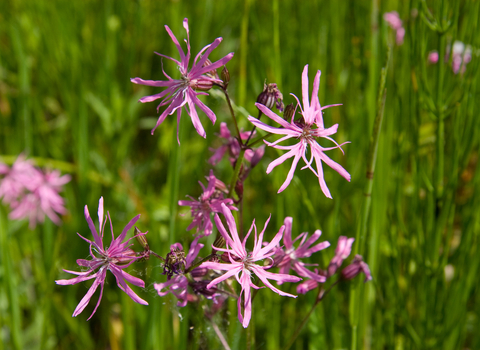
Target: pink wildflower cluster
(189,276)
(461,56)
(394,21)
(31,192)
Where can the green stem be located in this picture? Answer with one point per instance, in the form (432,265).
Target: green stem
(254,128)
(320,296)
(360,236)
(236,172)
(230,107)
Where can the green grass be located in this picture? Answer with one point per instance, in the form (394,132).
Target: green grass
(65,95)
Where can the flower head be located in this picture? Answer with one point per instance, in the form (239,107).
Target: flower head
(290,255)
(209,202)
(115,258)
(182,92)
(394,21)
(306,129)
(243,264)
(32,193)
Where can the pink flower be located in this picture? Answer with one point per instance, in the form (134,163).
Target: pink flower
(115,258)
(303,130)
(399,35)
(343,250)
(433,57)
(291,255)
(181,92)
(22,174)
(209,202)
(394,21)
(242,263)
(32,193)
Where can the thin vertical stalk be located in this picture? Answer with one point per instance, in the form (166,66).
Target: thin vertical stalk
(242,79)
(360,237)
(9,279)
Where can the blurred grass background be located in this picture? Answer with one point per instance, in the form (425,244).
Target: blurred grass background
(65,95)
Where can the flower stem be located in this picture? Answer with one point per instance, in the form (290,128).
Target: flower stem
(254,128)
(197,264)
(230,107)
(236,172)
(361,233)
(320,295)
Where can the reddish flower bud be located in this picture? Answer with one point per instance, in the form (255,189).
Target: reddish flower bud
(271,96)
(355,268)
(225,77)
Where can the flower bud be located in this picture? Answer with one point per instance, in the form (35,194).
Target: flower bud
(289,112)
(199,272)
(140,237)
(201,84)
(355,268)
(271,96)
(219,242)
(127,256)
(225,77)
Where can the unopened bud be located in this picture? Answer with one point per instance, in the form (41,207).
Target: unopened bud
(225,77)
(289,112)
(140,237)
(199,272)
(201,84)
(219,242)
(126,257)
(271,96)
(355,268)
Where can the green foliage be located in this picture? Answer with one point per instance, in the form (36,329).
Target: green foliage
(65,95)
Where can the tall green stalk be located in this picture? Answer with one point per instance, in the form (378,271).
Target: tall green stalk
(360,236)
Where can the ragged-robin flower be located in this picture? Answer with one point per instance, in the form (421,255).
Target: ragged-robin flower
(115,258)
(243,264)
(289,256)
(32,193)
(208,202)
(305,129)
(183,92)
